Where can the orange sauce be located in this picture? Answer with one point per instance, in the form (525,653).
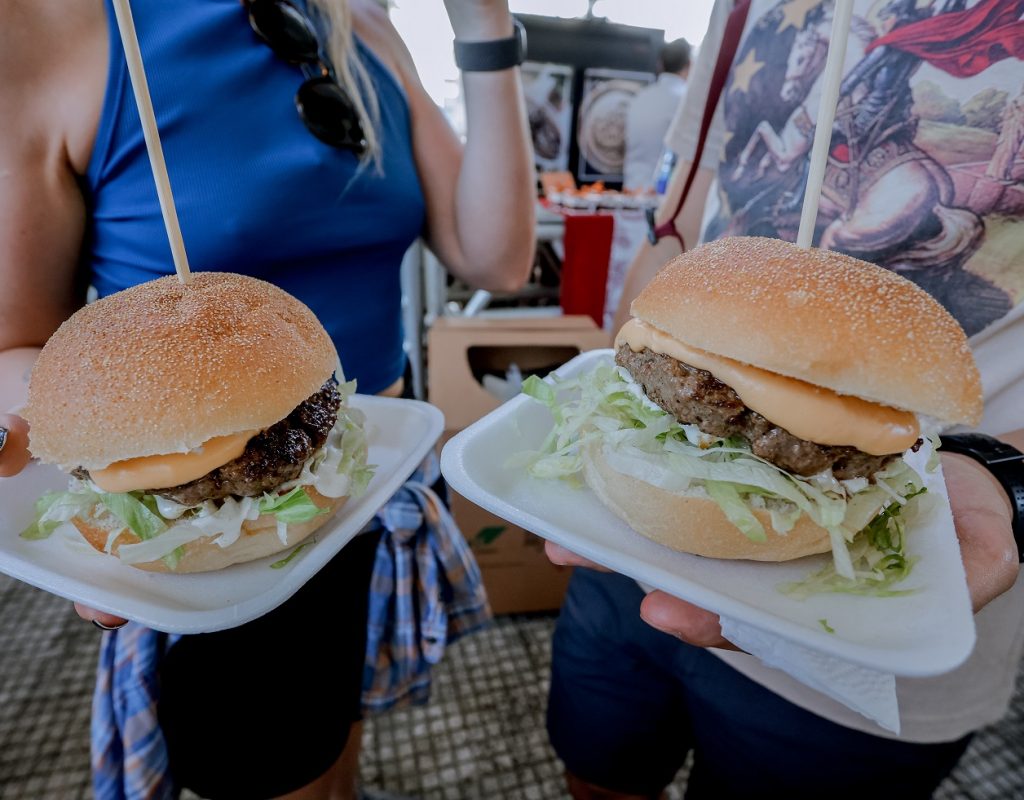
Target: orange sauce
(806,411)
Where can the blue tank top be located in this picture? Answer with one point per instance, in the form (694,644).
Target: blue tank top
(256,192)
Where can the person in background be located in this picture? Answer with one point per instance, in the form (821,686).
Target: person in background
(639,681)
(322,199)
(651,113)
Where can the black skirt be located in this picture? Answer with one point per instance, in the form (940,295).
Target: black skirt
(266,708)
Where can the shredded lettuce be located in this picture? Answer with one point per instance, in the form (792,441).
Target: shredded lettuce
(164,527)
(878,555)
(173,558)
(738,512)
(166,545)
(295,506)
(55,508)
(134,514)
(932,463)
(605,408)
(135,511)
(139,513)
(287,559)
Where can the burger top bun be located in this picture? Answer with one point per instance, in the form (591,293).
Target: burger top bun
(162,367)
(819,316)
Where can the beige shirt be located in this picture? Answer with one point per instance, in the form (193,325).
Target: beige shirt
(650,113)
(767,110)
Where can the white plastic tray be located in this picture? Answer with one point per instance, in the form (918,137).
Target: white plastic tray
(400,434)
(926,633)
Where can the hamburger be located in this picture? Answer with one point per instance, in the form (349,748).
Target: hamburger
(768,402)
(202,424)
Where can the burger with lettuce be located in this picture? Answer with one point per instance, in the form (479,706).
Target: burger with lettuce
(202,424)
(769,402)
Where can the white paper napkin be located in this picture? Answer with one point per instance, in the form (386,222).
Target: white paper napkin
(866,691)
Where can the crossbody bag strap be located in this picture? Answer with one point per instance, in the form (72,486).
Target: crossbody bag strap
(726,52)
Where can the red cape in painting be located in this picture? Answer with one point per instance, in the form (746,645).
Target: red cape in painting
(963,43)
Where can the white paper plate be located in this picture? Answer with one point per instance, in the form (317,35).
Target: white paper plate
(926,633)
(400,433)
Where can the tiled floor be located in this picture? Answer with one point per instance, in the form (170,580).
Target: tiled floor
(481,737)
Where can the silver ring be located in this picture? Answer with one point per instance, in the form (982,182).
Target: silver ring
(3,438)
(103,627)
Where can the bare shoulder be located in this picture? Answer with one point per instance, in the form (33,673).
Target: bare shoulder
(36,33)
(52,58)
(52,55)
(371,20)
(373,26)
(20,42)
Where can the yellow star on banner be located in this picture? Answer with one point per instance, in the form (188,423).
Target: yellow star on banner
(746,70)
(794,14)
(724,207)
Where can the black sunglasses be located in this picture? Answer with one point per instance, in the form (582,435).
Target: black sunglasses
(322,103)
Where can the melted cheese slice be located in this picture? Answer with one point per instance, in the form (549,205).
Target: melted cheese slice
(806,411)
(157,472)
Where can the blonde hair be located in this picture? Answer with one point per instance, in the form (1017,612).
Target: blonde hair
(350,71)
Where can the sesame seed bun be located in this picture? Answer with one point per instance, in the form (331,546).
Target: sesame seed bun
(822,317)
(694,524)
(258,539)
(163,367)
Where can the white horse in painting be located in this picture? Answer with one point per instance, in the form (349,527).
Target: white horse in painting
(804,70)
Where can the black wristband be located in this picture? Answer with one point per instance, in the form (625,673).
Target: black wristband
(495,55)
(1006,464)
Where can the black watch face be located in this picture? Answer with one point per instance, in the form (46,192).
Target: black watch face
(652,226)
(981,447)
(1006,463)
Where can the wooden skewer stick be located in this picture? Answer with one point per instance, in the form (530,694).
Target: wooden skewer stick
(133,55)
(826,116)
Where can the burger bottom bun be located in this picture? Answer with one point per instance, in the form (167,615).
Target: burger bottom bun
(258,539)
(694,524)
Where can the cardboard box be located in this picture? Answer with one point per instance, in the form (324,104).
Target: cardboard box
(518,576)
(461,351)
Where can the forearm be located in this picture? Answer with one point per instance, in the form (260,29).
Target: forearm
(495,190)
(479,196)
(15,366)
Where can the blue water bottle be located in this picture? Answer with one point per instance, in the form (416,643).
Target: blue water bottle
(664,173)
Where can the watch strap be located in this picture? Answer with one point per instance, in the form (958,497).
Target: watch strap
(494,55)
(734,26)
(1006,463)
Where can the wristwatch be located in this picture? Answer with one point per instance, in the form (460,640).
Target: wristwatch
(495,55)
(1006,463)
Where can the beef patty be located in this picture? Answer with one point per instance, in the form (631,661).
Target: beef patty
(272,457)
(696,396)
